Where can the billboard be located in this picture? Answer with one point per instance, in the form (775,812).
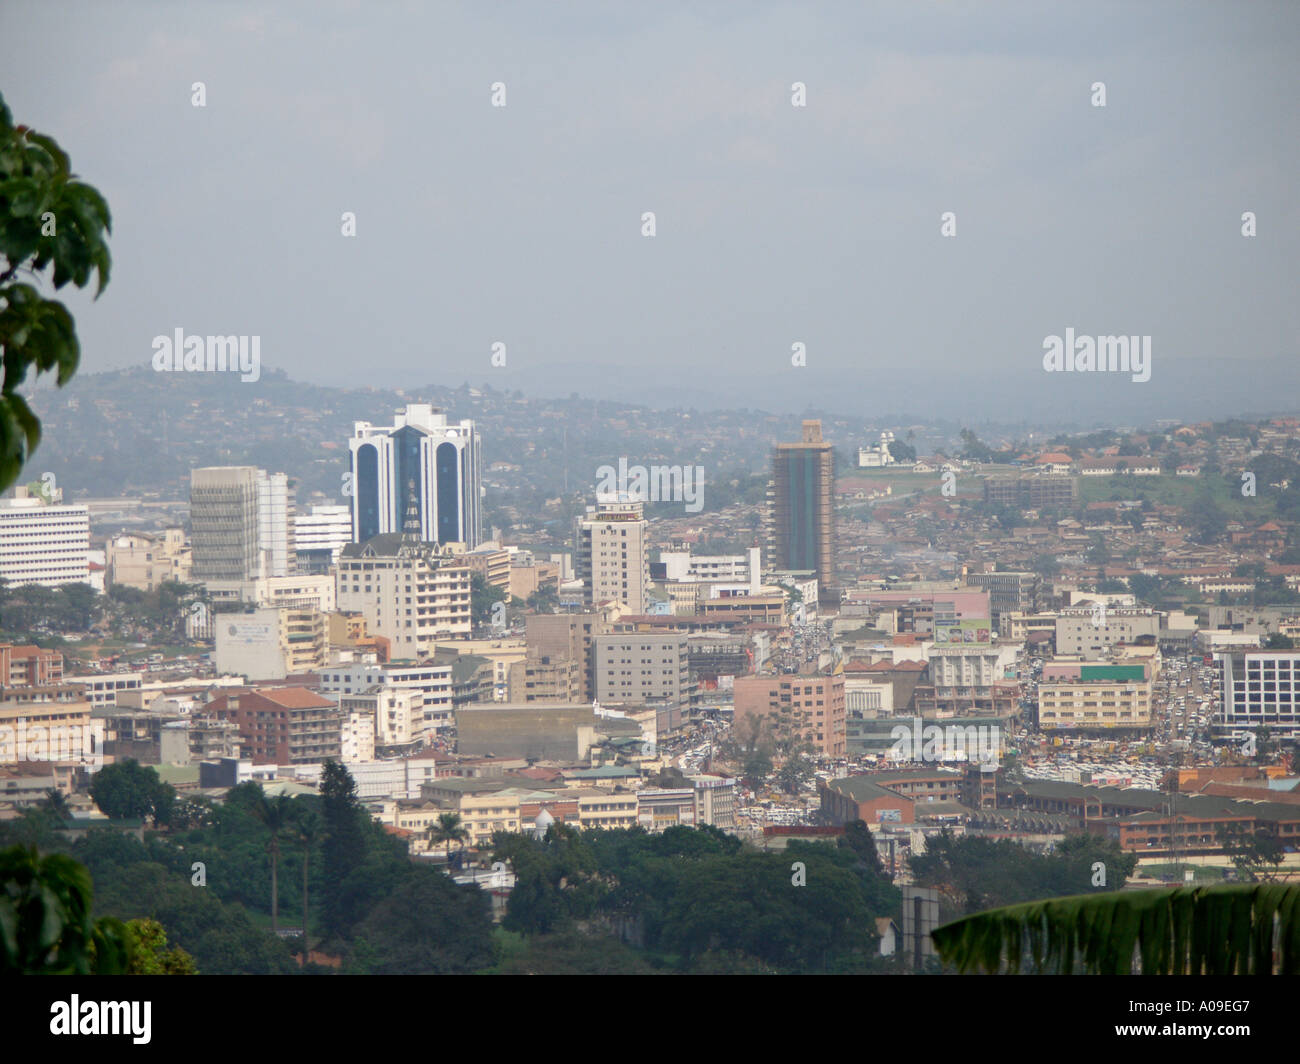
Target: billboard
(247,633)
(971,630)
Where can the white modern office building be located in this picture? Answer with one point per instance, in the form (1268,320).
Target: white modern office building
(421,461)
(1258,689)
(43,544)
(275,524)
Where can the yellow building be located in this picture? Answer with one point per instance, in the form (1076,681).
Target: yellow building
(604,809)
(49,732)
(1095,697)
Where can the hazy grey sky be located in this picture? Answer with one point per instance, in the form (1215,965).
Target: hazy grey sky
(775,224)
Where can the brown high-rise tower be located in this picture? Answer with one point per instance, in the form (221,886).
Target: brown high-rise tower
(802,506)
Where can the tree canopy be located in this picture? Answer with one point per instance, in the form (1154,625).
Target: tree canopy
(48,217)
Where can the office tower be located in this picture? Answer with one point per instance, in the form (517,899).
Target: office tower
(643,668)
(422,459)
(1259,689)
(610,556)
(241,522)
(43,544)
(802,506)
(223,523)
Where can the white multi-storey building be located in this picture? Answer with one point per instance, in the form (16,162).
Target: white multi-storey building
(396,713)
(1092,631)
(407,594)
(319,535)
(42,544)
(102,688)
(433,682)
(611,557)
(275,524)
(727,568)
(1258,689)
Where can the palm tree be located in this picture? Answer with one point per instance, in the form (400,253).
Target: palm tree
(56,803)
(276,814)
(448,829)
(309,829)
(1220,930)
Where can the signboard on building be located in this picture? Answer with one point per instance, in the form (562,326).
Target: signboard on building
(977,630)
(246,633)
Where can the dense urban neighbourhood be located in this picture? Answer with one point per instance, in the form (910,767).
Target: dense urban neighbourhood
(998,668)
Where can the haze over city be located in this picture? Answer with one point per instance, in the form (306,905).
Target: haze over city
(521,224)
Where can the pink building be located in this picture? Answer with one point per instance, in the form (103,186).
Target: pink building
(811,704)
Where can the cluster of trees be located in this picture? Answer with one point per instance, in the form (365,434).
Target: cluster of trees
(214,882)
(75,608)
(32,608)
(1257,856)
(127,790)
(760,744)
(973,873)
(902,452)
(973,449)
(692,900)
(626,901)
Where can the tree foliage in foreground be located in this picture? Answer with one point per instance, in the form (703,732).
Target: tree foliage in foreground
(46,926)
(1220,930)
(47,218)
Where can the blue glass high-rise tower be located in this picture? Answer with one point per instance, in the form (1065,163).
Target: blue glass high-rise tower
(421,461)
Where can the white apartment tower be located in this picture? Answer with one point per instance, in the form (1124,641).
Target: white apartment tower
(611,557)
(406,593)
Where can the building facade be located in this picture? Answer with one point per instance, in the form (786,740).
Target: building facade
(283,725)
(406,592)
(1258,689)
(642,668)
(145,560)
(422,462)
(43,544)
(1095,697)
(611,555)
(319,535)
(802,506)
(812,706)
